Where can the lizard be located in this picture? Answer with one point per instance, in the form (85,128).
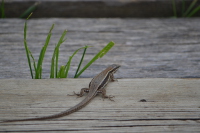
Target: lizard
(96,86)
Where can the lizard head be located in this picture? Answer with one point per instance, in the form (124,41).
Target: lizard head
(114,67)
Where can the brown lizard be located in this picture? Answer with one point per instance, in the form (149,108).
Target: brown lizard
(97,85)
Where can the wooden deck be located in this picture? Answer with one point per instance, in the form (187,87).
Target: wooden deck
(145,48)
(141,105)
(152,94)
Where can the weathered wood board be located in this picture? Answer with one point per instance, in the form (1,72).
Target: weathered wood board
(146,48)
(172,105)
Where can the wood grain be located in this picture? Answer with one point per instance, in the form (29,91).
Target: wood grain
(145,48)
(172,105)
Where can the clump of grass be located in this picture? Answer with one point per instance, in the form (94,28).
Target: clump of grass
(186,13)
(2,12)
(55,72)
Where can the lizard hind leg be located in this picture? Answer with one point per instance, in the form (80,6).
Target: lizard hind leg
(83,90)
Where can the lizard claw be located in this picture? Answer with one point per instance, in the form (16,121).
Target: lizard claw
(75,94)
(109,97)
(72,94)
(113,80)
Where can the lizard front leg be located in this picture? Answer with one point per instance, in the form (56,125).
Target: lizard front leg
(103,92)
(112,79)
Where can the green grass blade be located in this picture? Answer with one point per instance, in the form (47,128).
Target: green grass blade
(2,9)
(174,8)
(42,53)
(37,73)
(52,71)
(61,40)
(54,60)
(34,63)
(26,48)
(61,73)
(29,16)
(81,61)
(193,11)
(40,76)
(56,66)
(190,8)
(97,56)
(29,10)
(183,7)
(67,66)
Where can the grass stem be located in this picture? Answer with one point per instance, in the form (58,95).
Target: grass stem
(27,49)
(97,56)
(42,54)
(174,8)
(189,8)
(79,65)
(2,10)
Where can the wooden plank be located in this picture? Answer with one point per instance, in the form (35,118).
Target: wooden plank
(172,105)
(145,48)
(97,8)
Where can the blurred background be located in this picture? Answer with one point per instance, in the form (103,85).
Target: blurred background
(102,8)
